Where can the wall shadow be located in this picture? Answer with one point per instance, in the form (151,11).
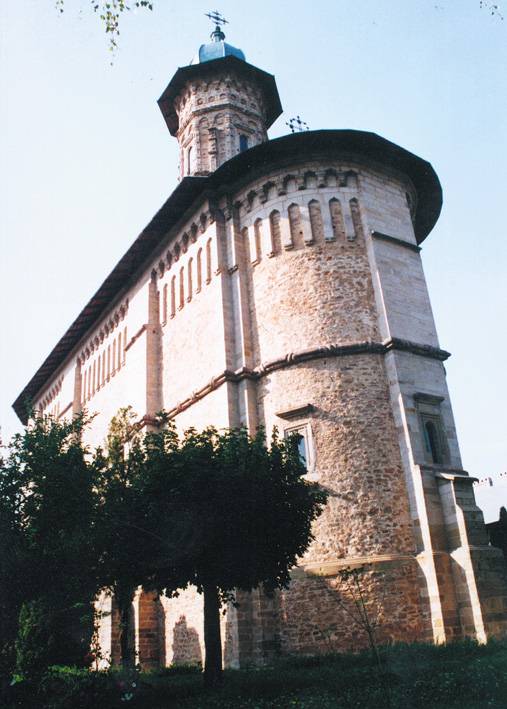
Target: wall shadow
(186,646)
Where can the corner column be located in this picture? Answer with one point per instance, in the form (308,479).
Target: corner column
(154,400)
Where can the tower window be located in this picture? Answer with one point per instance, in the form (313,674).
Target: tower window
(301,439)
(189,160)
(243,143)
(434,440)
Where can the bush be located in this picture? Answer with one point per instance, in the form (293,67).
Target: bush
(458,676)
(49,637)
(35,642)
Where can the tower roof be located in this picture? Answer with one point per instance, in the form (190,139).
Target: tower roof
(216,50)
(205,70)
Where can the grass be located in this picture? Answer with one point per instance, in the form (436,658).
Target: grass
(464,675)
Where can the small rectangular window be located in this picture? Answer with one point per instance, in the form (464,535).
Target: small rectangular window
(300,436)
(243,143)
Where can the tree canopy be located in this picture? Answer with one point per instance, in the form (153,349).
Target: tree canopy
(218,510)
(244,512)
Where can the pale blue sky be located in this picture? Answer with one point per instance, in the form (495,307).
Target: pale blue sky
(87,159)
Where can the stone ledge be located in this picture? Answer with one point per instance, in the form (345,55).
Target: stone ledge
(298,412)
(416,348)
(463,477)
(332,568)
(395,240)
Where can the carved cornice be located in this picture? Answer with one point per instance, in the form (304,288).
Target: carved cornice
(423,398)
(293,358)
(299,412)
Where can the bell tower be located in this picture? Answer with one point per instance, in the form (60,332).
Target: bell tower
(218,105)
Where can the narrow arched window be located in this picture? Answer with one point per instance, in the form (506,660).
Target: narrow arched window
(199,270)
(108,362)
(173,296)
(124,344)
(119,350)
(296,227)
(245,241)
(113,358)
(243,142)
(164,304)
(189,279)
(189,160)
(93,378)
(258,240)
(182,288)
(316,223)
(103,367)
(89,382)
(83,393)
(337,222)
(208,261)
(356,218)
(98,372)
(276,234)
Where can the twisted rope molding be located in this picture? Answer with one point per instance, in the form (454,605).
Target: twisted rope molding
(293,358)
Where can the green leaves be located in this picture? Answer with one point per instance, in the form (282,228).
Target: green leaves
(110,12)
(47,556)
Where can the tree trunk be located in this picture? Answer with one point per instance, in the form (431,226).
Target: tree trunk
(212,639)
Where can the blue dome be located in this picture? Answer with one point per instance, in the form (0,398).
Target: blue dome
(216,49)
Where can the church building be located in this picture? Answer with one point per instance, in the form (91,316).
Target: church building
(281,285)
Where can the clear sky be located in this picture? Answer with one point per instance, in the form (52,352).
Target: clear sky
(86,158)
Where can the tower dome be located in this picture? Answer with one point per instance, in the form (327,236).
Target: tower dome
(217,49)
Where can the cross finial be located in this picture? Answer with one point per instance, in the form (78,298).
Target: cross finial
(219,20)
(297,125)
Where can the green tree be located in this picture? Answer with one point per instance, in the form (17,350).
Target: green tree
(12,562)
(136,528)
(122,539)
(47,518)
(243,514)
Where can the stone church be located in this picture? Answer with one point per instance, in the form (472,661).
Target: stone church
(281,285)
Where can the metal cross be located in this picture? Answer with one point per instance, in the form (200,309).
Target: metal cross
(297,125)
(217,18)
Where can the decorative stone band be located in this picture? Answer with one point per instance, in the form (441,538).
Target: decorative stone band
(395,240)
(293,358)
(332,568)
(64,411)
(135,337)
